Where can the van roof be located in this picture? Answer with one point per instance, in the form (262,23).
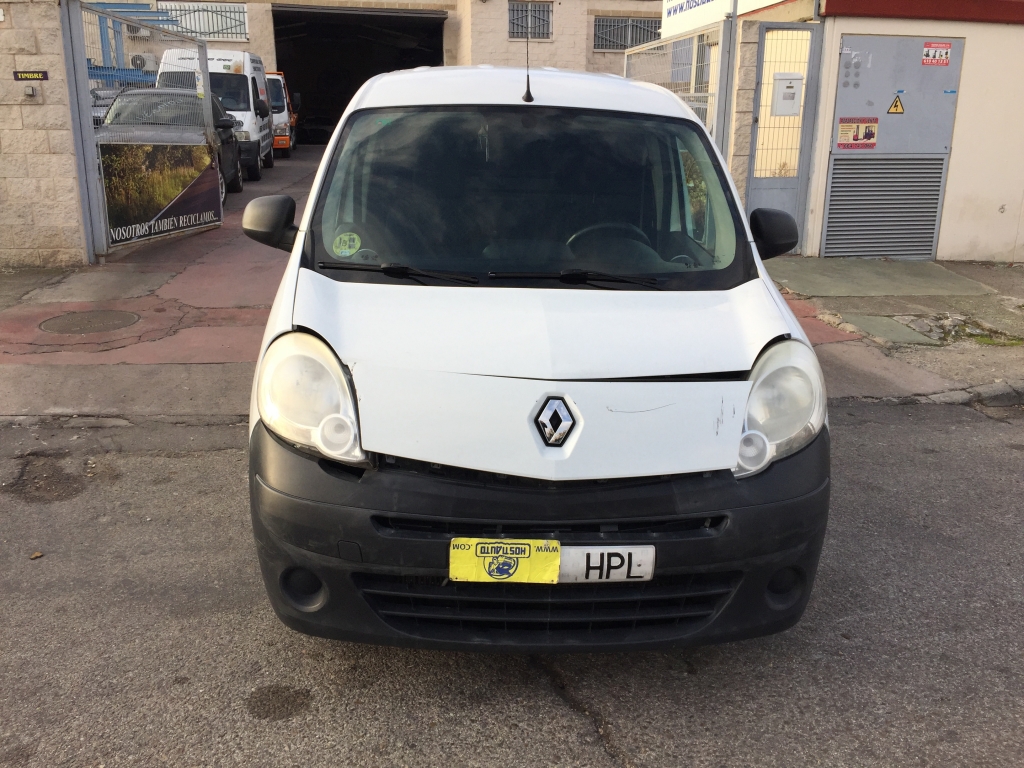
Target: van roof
(506,85)
(226,53)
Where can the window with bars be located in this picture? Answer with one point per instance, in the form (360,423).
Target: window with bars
(531,20)
(209,21)
(614,34)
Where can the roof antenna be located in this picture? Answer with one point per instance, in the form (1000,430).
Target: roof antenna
(528,97)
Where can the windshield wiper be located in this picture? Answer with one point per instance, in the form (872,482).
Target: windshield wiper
(576,277)
(401,270)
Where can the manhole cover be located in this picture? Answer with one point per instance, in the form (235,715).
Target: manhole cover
(96,321)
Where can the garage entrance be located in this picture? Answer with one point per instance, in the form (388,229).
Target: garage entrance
(326,54)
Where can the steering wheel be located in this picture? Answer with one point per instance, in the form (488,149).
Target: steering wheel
(620,227)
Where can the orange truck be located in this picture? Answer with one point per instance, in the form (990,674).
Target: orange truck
(285,108)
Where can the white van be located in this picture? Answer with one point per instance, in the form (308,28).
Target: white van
(526,383)
(239,80)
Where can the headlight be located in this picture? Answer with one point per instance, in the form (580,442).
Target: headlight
(242,135)
(282,130)
(785,408)
(304,396)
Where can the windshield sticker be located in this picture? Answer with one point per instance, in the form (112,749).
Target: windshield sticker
(857,132)
(936,54)
(346,244)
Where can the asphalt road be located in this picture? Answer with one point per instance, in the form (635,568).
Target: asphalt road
(142,635)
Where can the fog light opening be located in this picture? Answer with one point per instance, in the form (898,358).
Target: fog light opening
(785,588)
(754,453)
(303,589)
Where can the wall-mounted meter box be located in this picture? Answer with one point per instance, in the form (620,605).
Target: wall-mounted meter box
(787,93)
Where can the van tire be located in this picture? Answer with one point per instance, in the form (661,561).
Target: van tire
(255,171)
(286,152)
(268,159)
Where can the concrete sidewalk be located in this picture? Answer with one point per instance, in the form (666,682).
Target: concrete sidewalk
(203,298)
(922,328)
(169,328)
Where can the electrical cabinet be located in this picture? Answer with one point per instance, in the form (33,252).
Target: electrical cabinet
(896,100)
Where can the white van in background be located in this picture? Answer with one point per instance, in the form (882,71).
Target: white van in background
(240,82)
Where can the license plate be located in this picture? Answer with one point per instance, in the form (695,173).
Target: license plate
(598,564)
(544,561)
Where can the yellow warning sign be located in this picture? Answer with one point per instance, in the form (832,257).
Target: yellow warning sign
(896,108)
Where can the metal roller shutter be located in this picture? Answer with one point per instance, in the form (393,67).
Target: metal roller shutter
(884,206)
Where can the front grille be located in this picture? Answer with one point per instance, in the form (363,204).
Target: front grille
(612,530)
(497,480)
(559,614)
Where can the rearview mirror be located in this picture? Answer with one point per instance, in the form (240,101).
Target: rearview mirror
(225,124)
(262,110)
(296,102)
(775,232)
(271,220)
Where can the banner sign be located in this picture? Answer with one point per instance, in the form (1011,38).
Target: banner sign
(155,189)
(681,16)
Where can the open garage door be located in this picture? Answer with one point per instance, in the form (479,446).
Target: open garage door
(326,54)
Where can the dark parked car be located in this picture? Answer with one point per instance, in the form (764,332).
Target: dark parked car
(173,116)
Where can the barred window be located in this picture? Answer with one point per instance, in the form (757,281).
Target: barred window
(531,20)
(611,34)
(208,21)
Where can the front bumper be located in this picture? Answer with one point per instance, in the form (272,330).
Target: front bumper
(282,142)
(735,559)
(249,152)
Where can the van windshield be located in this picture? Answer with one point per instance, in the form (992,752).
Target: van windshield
(276,90)
(232,90)
(517,195)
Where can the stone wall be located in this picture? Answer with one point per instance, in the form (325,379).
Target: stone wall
(40,209)
(742,121)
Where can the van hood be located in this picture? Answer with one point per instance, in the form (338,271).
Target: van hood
(550,334)
(458,376)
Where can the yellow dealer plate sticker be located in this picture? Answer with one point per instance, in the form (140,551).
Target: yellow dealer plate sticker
(535,561)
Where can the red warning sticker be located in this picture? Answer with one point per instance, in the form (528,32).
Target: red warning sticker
(936,54)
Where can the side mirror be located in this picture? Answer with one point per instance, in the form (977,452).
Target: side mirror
(775,232)
(262,110)
(296,102)
(271,220)
(225,124)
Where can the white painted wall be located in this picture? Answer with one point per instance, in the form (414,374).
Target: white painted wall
(983,212)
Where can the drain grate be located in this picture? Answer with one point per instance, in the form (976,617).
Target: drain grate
(95,321)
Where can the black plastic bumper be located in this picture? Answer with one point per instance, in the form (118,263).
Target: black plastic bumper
(735,559)
(249,152)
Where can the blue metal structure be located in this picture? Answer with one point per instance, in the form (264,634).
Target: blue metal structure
(112,72)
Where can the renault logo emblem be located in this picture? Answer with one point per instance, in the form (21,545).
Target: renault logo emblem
(555,421)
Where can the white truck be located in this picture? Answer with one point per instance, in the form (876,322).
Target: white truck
(240,82)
